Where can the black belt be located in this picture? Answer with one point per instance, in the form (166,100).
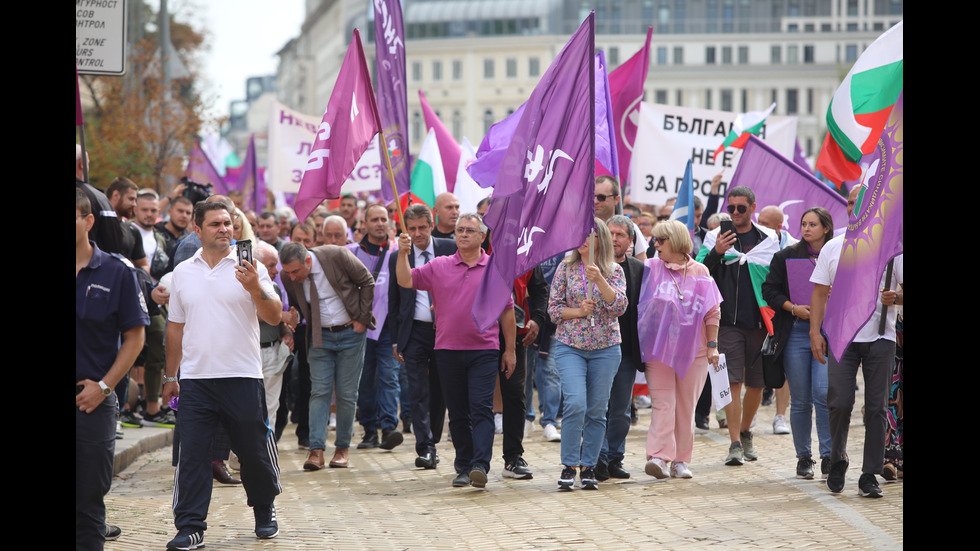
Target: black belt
(269,344)
(336,328)
(426,324)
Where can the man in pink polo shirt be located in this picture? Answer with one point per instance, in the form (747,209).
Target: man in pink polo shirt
(470,357)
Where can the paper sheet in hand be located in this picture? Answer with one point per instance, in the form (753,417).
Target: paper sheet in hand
(721,393)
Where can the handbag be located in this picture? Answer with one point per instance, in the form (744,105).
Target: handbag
(772,365)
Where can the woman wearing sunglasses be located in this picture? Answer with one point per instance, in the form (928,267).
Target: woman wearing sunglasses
(678,313)
(787,289)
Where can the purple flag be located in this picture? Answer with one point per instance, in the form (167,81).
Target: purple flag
(389,67)
(799,158)
(200,170)
(348,127)
(542,203)
(873,237)
(605,137)
(779,181)
(250,183)
(671,315)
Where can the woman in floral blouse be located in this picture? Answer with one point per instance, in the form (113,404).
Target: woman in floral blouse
(586,302)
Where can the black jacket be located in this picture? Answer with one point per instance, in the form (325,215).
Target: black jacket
(776,292)
(401,301)
(740,308)
(633,270)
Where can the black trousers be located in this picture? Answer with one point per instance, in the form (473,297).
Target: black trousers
(513,397)
(95,446)
(425,390)
(238,405)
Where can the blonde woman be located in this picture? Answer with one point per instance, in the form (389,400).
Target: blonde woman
(586,302)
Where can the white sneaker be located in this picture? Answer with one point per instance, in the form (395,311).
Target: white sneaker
(678,469)
(642,401)
(551,434)
(332,425)
(779,425)
(498,423)
(656,467)
(528,427)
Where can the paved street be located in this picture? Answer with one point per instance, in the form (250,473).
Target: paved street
(383,502)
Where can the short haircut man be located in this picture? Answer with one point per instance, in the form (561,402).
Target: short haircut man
(213,340)
(334,230)
(269,230)
(447,213)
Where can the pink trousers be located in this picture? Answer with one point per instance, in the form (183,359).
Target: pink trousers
(671,434)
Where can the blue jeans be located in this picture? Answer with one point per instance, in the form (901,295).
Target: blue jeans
(618,414)
(544,373)
(807,380)
(586,379)
(377,395)
(336,366)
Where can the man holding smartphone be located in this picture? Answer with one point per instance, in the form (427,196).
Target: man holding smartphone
(741,330)
(213,339)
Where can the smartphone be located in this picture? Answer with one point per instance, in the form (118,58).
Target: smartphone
(245,251)
(726,226)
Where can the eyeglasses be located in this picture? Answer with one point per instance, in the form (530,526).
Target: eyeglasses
(741,209)
(661,240)
(601,197)
(464,229)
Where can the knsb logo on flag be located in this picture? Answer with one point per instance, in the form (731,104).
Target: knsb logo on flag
(352,118)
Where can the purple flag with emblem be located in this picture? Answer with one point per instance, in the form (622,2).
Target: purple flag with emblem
(543,196)
(874,236)
(779,181)
(389,68)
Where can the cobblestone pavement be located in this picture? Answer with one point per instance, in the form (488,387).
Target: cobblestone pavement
(383,502)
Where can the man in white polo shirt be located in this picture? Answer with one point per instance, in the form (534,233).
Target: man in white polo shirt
(213,339)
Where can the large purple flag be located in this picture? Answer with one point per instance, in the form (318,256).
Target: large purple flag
(873,237)
(201,170)
(250,182)
(779,181)
(348,127)
(605,134)
(542,203)
(389,67)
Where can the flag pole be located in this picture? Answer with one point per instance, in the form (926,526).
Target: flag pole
(591,263)
(884,309)
(391,178)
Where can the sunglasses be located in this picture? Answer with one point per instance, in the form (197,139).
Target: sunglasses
(601,197)
(661,240)
(741,209)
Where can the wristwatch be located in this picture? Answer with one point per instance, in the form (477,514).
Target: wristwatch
(169,380)
(712,344)
(105,388)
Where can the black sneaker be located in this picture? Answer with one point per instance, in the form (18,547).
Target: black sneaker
(824,466)
(112,533)
(161,419)
(589,481)
(701,422)
(601,471)
(369,441)
(390,438)
(462,480)
(804,468)
(266,526)
(478,476)
(188,538)
(567,478)
(868,486)
(518,469)
(131,419)
(835,480)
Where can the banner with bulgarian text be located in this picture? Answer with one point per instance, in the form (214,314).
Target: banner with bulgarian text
(668,136)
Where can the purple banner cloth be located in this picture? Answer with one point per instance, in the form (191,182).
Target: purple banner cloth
(200,170)
(873,237)
(800,159)
(543,196)
(389,67)
(605,137)
(798,272)
(348,127)
(380,284)
(779,181)
(669,326)
(626,91)
(250,182)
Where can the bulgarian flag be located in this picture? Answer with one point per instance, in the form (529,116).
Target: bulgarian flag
(758,260)
(745,125)
(428,177)
(860,108)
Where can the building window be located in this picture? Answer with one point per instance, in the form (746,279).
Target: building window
(660,96)
(707,98)
(809,101)
(416,127)
(488,68)
(511,67)
(850,53)
(416,71)
(678,55)
(743,55)
(709,55)
(808,54)
(745,100)
(613,56)
(792,101)
(679,98)
(436,70)
(776,54)
(487,120)
(726,100)
(726,55)
(457,69)
(457,125)
(792,55)
(793,28)
(533,67)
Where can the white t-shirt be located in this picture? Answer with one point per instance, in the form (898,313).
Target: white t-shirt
(221,324)
(149,241)
(826,270)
